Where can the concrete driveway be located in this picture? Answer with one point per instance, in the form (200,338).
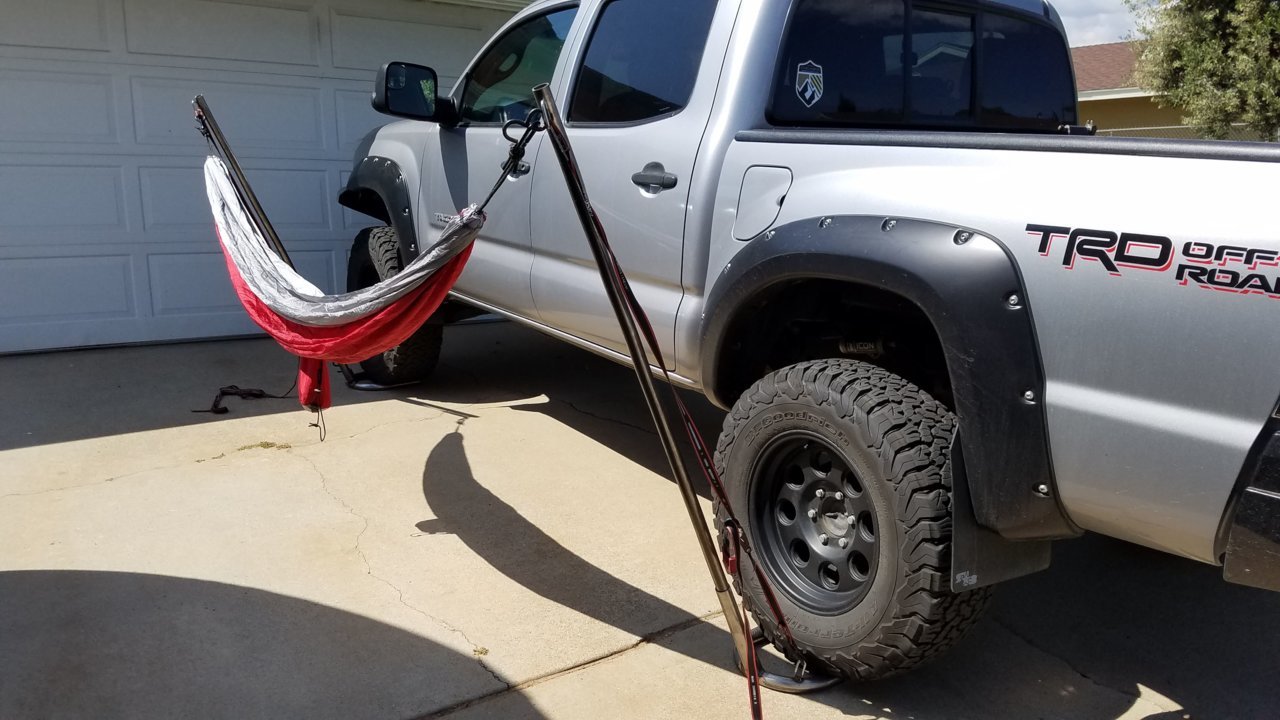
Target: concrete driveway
(501,543)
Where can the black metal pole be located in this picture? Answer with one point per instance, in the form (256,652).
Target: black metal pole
(640,362)
(214,133)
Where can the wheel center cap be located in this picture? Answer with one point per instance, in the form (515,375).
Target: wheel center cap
(834,521)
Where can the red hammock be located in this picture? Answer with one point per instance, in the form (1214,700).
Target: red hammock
(350,342)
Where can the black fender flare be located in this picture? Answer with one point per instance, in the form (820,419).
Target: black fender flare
(377,188)
(969,287)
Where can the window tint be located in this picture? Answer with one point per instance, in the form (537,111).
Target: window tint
(1025,80)
(842,64)
(942,72)
(642,60)
(500,86)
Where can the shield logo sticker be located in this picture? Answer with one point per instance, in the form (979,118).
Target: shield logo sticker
(809,82)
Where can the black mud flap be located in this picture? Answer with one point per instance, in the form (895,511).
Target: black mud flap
(981,557)
(1253,535)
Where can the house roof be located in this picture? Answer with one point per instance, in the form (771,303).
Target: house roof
(1104,67)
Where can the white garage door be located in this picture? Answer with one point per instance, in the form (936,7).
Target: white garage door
(105,236)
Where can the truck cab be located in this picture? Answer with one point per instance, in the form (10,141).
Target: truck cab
(948,329)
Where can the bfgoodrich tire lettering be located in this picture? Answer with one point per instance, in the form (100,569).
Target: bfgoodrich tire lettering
(893,439)
(375,256)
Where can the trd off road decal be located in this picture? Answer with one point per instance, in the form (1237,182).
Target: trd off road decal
(1230,268)
(809,82)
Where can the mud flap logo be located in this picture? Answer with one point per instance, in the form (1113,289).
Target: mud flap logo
(809,82)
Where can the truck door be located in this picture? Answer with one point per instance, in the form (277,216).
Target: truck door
(462,163)
(636,103)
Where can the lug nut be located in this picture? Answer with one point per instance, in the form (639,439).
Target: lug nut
(823,538)
(844,542)
(839,496)
(813,514)
(820,493)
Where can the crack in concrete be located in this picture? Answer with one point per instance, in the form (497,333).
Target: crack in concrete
(1134,693)
(476,649)
(641,428)
(650,639)
(60,489)
(405,421)
(103,481)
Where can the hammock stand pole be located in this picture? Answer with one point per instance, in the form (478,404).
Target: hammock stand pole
(209,128)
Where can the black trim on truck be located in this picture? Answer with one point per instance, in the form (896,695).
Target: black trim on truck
(973,295)
(377,188)
(1252,522)
(1027,142)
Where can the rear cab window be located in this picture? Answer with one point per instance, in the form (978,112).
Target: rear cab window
(900,63)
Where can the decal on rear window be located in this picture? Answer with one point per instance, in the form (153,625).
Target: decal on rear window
(809,82)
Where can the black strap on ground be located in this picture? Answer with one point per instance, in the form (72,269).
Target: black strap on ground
(638,332)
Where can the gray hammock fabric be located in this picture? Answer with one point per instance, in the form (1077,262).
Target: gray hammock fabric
(292,296)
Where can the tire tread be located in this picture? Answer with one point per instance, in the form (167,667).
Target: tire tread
(911,435)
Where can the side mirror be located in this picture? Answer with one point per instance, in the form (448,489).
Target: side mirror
(409,91)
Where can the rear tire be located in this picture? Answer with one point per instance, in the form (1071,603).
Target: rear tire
(375,256)
(864,580)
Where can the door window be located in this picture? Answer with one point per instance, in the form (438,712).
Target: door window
(642,60)
(500,86)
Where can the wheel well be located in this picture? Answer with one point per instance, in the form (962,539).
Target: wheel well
(365,200)
(814,319)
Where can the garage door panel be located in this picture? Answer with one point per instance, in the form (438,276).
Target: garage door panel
(356,117)
(196,283)
(174,200)
(365,42)
(253,116)
(190,283)
(48,23)
(38,196)
(224,30)
(294,200)
(57,107)
(84,287)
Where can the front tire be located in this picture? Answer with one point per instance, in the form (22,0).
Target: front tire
(375,256)
(839,471)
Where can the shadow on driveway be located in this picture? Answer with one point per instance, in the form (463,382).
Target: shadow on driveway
(123,645)
(1108,623)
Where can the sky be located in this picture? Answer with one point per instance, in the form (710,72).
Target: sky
(1090,22)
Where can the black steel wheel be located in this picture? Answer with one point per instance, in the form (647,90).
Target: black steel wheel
(817,523)
(840,472)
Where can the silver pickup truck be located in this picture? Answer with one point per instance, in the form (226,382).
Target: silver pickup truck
(950,326)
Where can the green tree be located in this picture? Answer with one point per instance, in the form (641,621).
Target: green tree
(1218,61)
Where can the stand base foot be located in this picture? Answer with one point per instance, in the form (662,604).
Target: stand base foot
(804,681)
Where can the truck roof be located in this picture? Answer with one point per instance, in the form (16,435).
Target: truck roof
(1039,8)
